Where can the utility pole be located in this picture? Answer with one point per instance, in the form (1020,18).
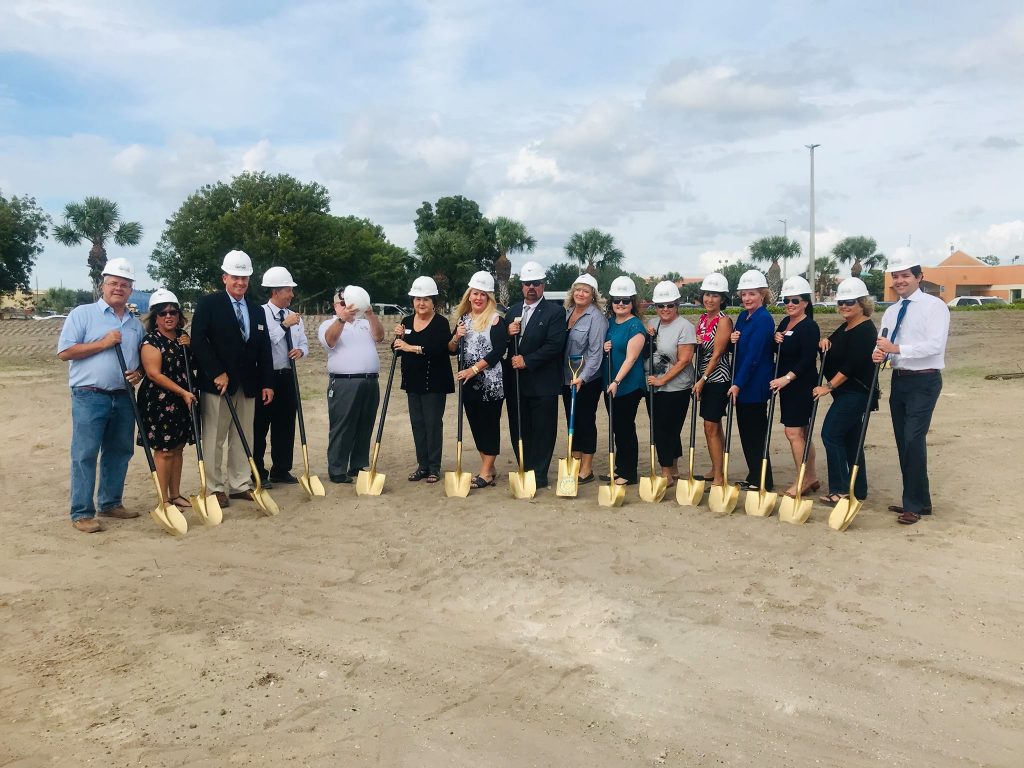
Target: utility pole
(785,236)
(810,266)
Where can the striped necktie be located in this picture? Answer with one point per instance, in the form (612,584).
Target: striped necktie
(241,320)
(899,320)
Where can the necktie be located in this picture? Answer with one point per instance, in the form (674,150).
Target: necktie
(527,309)
(899,319)
(280,315)
(241,320)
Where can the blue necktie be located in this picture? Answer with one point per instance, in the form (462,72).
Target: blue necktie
(899,319)
(241,320)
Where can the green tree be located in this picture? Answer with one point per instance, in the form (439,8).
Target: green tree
(62,299)
(772,250)
(447,256)
(23,226)
(992,261)
(510,237)
(594,251)
(858,251)
(826,270)
(560,276)
(874,280)
(460,214)
(732,273)
(97,220)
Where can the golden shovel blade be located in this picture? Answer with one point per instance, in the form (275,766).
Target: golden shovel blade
(568,477)
(760,504)
(843,513)
(457,483)
(724,498)
(611,495)
(522,484)
(311,484)
(260,495)
(206,506)
(689,492)
(370,482)
(653,488)
(166,515)
(795,509)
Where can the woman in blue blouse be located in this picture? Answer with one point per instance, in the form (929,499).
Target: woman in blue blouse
(625,340)
(754,338)
(587,330)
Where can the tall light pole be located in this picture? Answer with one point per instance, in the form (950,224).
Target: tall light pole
(810,266)
(785,237)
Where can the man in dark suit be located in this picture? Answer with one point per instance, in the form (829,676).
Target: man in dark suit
(232,347)
(539,327)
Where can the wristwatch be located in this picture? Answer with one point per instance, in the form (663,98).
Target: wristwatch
(704,377)
(829,385)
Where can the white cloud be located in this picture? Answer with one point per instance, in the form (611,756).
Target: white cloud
(712,261)
(1004,240)
(256,157)
(531,167)
(721,90)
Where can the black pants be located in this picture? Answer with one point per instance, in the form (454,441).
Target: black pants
(670,410)
(540,427)
(584,438)
(627,447)
(752,419)
(911,403)
(484,417)
(426,413)
(279,419)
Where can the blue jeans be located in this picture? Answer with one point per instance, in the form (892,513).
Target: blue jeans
(840,434)
(103,429)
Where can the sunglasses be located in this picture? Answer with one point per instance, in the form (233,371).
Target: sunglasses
(670,305)
(846,302)
(533,283)
(168,313)
(621,300)
(792,300)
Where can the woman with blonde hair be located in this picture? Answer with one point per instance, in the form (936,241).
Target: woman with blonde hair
(479,341)
(587,326)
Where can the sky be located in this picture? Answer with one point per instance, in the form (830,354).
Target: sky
(679,127)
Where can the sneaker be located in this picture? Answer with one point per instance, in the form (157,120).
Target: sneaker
(119,512)
(287,478)
(87,525)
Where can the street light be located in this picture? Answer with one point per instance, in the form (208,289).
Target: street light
(786,238)
(810,267)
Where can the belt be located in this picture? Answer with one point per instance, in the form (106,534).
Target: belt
(353,376)
(104,391)
(925,372)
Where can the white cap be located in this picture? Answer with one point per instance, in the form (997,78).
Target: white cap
(665,291)
(903,258)
(586,279)
(622,285)
(237,263)
(795,286)
(162,296)
(716,283)
(119,268)
(751,280)
(531,271)
(422,287)
(482,281)
(357,297)
(278,277)
(851,288)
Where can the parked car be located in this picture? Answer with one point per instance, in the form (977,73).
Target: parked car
(974,301)
(391,309)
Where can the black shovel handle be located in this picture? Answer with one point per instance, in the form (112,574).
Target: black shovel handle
(458,365)
(295,380)
(609,399)
(194,410)
(729,405)
(650,389)
(814,411)
(387,396)
(867,408)
(519,415)
(771,407)
(135,409)
(693,407)
(238,425)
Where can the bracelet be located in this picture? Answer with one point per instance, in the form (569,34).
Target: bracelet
(790,377)
(704,377)
(475,370)
(617,381)
(829,385)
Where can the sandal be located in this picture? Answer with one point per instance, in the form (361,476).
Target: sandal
(180,501)
(419,474)
(481,482)
(432,478)
(584,480)
(832,498)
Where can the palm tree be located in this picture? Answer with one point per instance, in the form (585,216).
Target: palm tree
(594,250)
(95,220)
(447,256)
(825,271)
(772,250)
(858,251)
(510,237)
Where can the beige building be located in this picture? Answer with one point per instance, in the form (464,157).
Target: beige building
(963,275)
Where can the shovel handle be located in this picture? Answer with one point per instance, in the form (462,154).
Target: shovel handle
(295,381)
(387,397)
(135,410)
(814,412)
(729,404)
(238,428)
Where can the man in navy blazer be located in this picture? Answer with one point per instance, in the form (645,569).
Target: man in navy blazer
(232,347)
(541,332)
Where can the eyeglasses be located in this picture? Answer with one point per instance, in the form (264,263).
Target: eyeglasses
(846,302)
(168,313)
(792,300)
(670,305)
(533,283)
(621,300)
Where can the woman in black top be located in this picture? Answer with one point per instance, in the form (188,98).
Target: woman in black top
(422,338)
(797,343)
(848,371)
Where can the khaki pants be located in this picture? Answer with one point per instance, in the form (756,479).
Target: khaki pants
(227,468)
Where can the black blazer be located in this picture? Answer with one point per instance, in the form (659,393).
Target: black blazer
(542,345)
(219,347)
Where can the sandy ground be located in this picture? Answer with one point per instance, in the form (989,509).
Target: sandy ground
(414,630)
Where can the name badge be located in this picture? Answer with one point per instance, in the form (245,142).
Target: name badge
(408,331)
(788,333)
(259,327)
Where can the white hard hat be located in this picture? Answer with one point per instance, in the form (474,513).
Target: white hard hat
(163,296)
(851,288)
(531,271)
(119,268)
(622,285)
(357,297)
(422,287)
(278,277)
(665,291)
(586,279)
(716,283)
(903,258)
(237,263)
(795,286)
(482,281)
(751,280)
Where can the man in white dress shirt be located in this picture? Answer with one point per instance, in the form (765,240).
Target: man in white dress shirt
(918,328)
(278,416)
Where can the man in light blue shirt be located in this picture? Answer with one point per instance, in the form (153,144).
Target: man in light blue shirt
(102,420)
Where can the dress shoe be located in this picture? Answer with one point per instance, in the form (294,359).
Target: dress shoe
(87,525)
(286,479)
(341,479)
(246,495)
(119,512)
(899,510)
(222,499)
